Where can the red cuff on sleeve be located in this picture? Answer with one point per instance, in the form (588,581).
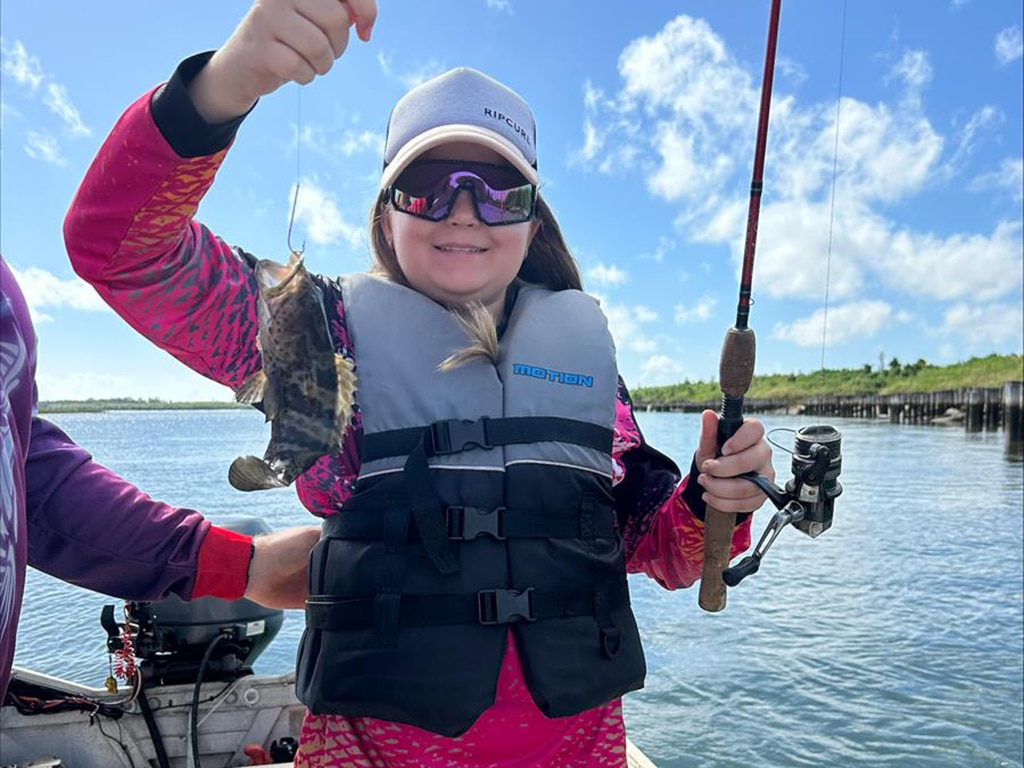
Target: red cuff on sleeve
(223,565)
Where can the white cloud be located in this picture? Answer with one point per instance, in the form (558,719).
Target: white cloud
(351,142)
(44,147)
(698,312)
(625,325)
(317,210)
(59,102)
(1009,45)
(982,327)
(913,69)
(44,290)
(686,110)
(840,324)
(1009,176)
(959,266)
(660,369)
(607,275)
(20,65)
(985,120)
(664,247)
(790,69)
(645,314)
(411,77)
(25,70)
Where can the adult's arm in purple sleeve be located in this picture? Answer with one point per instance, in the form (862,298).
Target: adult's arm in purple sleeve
(90,527)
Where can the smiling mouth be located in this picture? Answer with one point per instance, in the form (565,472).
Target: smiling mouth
(459,249)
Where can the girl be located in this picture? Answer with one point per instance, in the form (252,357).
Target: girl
(468,601)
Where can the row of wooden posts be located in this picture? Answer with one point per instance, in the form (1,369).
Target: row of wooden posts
(975,408)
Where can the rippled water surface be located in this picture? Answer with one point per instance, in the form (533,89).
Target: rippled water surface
(895,639)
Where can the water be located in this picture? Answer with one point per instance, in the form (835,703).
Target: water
(895,639)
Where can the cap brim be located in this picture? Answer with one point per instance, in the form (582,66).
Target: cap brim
(446,134)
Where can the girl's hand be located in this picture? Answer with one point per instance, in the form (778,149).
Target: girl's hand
(278,42)
(745,451)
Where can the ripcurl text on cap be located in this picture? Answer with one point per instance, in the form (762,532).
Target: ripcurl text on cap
(461,105)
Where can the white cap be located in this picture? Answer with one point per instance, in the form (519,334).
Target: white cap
(461,105)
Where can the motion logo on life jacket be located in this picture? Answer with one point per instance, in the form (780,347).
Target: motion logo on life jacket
(536,372)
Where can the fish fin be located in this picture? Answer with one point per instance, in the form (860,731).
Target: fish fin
(253,388)
(346,391)
(251,473)
(271,397)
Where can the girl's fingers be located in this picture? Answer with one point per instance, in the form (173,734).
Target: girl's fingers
(332,19)
(309,42)
(365,14)
(731,495)
(749,434)
(756,459)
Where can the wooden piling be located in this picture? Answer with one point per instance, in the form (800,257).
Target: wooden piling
(975,409)
(1013,411)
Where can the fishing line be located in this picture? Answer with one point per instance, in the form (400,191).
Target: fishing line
(298,169)
(832,194)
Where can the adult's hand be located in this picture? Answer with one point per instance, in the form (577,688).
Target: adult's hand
(279,569)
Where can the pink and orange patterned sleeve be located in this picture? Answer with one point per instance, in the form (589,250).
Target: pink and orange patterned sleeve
(130,233)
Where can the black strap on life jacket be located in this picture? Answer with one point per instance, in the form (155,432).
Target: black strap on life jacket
(468,523)
(455,435)
(486,607)
(443,438)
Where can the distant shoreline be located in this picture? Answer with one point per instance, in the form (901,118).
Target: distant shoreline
(135,404)
(774,390)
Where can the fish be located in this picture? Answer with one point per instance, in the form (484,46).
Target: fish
(306,390)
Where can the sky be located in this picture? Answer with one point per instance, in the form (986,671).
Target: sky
(890,226)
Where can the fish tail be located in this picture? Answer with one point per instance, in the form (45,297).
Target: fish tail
(251,473)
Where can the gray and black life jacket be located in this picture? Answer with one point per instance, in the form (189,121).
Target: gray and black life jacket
(483,506)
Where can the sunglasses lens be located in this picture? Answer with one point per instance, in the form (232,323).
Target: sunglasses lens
(506,206)
(428,190)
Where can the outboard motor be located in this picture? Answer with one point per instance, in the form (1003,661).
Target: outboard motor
(175,639)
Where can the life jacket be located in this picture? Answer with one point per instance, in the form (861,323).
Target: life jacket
(483,507)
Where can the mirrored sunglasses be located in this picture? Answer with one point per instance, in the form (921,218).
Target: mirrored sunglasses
(427,189)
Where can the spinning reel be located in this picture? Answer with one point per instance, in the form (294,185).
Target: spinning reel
(808,499)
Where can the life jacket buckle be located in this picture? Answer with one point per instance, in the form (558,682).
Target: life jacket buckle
(466,523)
(456,435)
(504,606)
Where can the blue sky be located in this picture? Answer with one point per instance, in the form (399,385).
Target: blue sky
(646,120)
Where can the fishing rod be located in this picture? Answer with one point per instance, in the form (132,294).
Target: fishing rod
(808,499)
(736,365)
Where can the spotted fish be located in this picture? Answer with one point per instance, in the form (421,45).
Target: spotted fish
(306,390)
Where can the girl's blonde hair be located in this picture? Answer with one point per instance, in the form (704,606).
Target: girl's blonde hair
(549,263)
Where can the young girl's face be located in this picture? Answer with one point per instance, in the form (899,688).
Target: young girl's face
(459,259)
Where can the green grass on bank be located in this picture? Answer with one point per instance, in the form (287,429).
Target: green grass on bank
(991,371)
